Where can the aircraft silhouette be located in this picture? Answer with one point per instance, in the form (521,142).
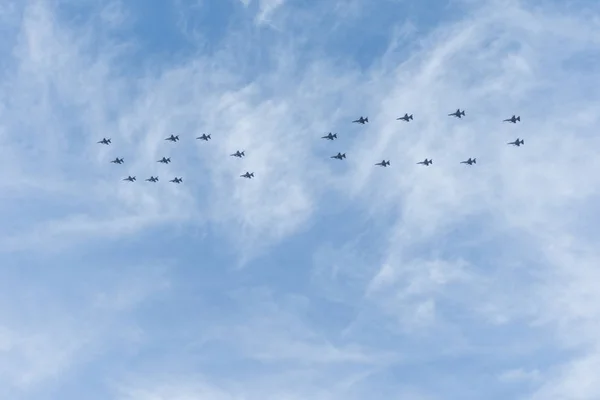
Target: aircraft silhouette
(152,179)
(361,120)
(117,161)
(105,141)
(339,156)
(130,178)
(330,136)
(238,154)
(248,175)
(405,118)
(164,160)
(517,142)
(384,163)
(457,113)
(176,180)
(173,138)
(426,162)
(204,137)
(470,161)
(513,119)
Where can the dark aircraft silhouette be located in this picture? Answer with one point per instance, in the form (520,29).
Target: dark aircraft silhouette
(458,113)
(406,117)
(204,137)
(248,175)
(165,160)
(238,154)
(426,162)
(361,120)
(117,161)
(173,138)
(176,180)
(130,179)
(330,136)
(513,119)
(152,179)
(384,163)
(517,142)
(339,156)
(470,161)
(105,141)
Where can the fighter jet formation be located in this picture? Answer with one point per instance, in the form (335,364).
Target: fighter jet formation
(330,136)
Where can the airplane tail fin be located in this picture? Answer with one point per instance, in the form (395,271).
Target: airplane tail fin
(344,155)
(462,113)
(430,161)
(474,161)
(410,116)
(367,119)
(518,118)
(252,174)
(335,135)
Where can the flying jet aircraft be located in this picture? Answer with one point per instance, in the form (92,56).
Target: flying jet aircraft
(238,154)
(204,137)
(330,136)
(164,160)
(406,117)
(117,161)
(173,138)
(426,162)
(152,179)
(513,119)
(339,156)
(458,113)
(517,142)
(105,141)
(248,175)
(470,161)
(384,163)
(130,179)
(176,180)
(361,120)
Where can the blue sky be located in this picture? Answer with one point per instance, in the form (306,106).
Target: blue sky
(317,279)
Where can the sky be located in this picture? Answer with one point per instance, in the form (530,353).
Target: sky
(318,279)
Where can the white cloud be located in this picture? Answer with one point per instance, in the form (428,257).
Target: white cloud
(457,261)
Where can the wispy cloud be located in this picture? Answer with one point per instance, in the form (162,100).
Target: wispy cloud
(358,280)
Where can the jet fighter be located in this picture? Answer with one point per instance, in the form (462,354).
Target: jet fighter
(117,161)
(238,154)
(339,156)
(517,142)
(470,161)
(130,178)
(105,141)
(164,160)
(513,119)
(176,180)
(152,179)
(330,136)
(426,162)
(361,120)
(204,137)
(457,113)
(384,163)
(248,175)
(173,138)
(405,118)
